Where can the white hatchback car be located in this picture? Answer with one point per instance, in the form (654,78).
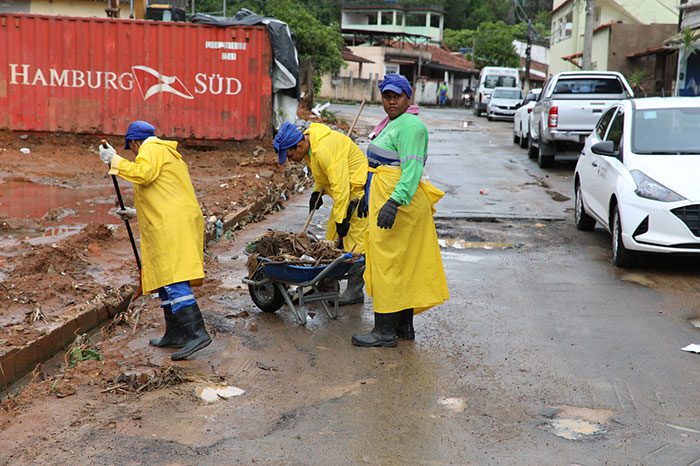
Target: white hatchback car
(504,102)
(637,177)
(521,121)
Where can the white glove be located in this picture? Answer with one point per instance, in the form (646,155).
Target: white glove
(127,213)
(107,152)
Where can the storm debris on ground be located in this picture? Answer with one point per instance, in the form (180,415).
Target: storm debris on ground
(285,246)
(146,381)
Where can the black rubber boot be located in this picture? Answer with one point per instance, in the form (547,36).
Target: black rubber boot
(173,337)
(353,293)
(190,321)
(404,328)
(383,334)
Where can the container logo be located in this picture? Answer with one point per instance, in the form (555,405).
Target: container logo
(149,81)
(152,82)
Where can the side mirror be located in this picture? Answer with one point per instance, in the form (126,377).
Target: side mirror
(605,148)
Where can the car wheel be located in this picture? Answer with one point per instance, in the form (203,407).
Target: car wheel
(516,139)
(584,222)
(531,148)
(489,117)
(543,159)
(524,141)
(621,256)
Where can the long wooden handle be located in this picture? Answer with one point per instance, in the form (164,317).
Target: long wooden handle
(308,221)
(357,117)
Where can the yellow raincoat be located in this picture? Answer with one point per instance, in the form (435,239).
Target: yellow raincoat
(340,170)
(404,265)
(170,218)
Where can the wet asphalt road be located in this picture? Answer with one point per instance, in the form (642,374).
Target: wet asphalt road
(541,336)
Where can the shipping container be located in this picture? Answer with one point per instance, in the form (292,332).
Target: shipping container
(94,76)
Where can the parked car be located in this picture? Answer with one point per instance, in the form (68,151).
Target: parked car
(570,105)
(521,120)
(504,102)
(491,77)
(637,177)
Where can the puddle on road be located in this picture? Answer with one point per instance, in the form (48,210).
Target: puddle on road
(463,244)
(637,278)
(56,212)
(454,404)
(574,423)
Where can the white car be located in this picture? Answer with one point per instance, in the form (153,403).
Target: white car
(637,177)
(504,102)
(521,121)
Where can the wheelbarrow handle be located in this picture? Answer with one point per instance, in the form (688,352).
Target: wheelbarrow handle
(328,269)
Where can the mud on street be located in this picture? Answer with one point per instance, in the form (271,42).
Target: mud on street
(545,353)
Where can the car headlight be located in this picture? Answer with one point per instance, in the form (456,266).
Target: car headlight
(650,189)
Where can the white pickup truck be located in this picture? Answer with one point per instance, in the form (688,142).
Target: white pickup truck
(568,109)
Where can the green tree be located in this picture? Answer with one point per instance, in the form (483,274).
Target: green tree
(456,40)
(494,45)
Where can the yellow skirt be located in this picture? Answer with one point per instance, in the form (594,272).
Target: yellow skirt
(403,264)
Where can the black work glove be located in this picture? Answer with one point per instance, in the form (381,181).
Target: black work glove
(387,214)
(344,227)
(363,207)
(316,200)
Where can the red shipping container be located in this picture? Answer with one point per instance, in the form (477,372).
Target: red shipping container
(95,76)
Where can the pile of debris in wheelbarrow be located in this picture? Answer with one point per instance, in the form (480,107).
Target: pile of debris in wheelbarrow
(289,268)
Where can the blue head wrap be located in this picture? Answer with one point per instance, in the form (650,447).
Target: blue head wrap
(138,131)
(287,137)
(396,83)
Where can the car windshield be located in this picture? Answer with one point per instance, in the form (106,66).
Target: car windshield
(666,131)
(589,86)
(514,94)
(492,80)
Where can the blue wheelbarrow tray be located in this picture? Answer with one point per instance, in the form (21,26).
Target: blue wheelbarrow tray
(269,285)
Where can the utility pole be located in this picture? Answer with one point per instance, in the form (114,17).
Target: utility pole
(586,59)
(528,55)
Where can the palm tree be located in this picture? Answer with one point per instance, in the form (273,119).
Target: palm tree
(636,79)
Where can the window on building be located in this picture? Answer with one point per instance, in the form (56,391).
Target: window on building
(434,21)
(399,18)
(372,19)
(568,24)
(387,17)
(415,19)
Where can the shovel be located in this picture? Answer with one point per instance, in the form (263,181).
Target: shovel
(137,293)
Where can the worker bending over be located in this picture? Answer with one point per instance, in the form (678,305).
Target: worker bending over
(339,169)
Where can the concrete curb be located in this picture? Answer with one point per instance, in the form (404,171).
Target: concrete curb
(20,361)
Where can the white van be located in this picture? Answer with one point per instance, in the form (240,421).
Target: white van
(490,78)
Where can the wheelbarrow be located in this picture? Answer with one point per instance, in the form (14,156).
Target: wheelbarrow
(274,284)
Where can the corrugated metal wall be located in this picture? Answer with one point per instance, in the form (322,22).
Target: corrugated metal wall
(94,76)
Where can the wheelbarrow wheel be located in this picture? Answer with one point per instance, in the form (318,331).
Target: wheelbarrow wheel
(267,297)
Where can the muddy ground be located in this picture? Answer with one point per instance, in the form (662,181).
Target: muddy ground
(61,245)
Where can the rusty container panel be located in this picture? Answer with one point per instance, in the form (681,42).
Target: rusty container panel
(95,76)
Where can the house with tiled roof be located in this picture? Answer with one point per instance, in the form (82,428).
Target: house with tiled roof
(398,38)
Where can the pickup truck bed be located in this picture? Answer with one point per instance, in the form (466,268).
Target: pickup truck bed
(569,108)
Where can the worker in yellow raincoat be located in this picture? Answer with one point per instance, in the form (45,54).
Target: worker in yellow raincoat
(404,273)
(172,232)
(339,168)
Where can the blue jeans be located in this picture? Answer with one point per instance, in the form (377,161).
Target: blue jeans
(177,296)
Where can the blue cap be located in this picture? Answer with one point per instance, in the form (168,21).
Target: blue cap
(287,137)
(138,131)
(396,83)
